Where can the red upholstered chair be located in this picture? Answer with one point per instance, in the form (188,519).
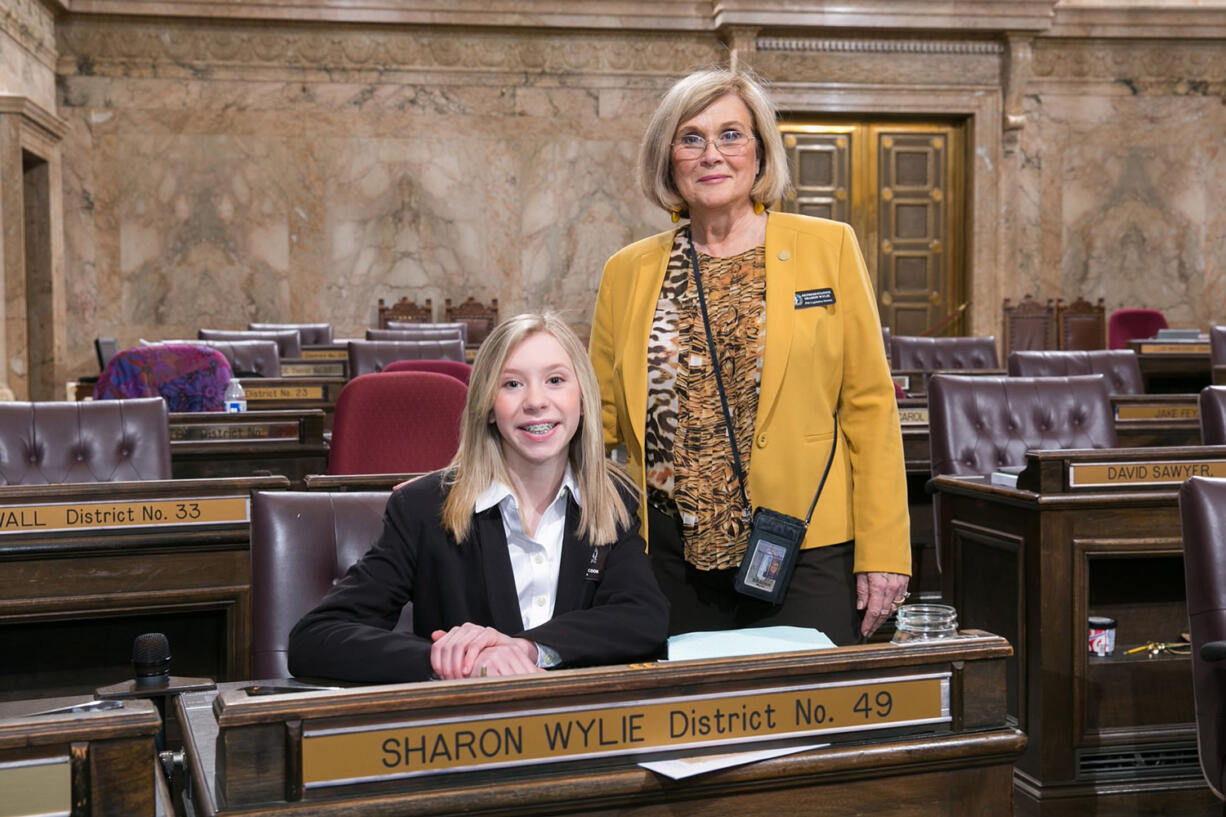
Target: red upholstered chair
(1202,512)
(396,423)
(458,370)
(1129,324)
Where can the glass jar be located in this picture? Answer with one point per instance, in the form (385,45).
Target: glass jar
(925,622)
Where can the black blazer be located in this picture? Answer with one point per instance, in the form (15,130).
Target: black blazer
(349,636)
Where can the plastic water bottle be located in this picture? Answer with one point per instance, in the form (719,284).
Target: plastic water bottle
(235,398)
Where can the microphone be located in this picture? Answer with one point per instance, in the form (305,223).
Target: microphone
(151,660)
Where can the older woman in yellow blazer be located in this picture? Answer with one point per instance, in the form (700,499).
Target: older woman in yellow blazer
(797,341)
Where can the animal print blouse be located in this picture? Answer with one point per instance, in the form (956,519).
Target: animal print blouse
(688,458)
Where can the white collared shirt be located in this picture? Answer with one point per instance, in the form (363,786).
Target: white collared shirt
(535,560)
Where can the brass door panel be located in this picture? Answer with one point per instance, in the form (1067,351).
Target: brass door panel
(899,185)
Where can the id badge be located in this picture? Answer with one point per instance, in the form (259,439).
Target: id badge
(774,545)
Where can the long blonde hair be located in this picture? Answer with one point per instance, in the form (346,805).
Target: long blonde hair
(479,460)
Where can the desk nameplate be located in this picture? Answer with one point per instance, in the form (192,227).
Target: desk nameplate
(284,392)
(319,369)
(1157,411)
(224,432)
(913,416)
(42,787)
(362,754)
(1169,472)
(124,513)
(1174,349)
(325,354)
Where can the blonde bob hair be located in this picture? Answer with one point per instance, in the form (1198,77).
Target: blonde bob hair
(479,460)
(687,98)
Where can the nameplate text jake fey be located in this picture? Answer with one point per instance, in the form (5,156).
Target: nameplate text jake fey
(342,755)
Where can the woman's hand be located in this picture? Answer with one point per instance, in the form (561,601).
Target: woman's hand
(879,595)
(456,653)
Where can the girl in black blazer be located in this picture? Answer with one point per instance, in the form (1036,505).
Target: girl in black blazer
(531,462)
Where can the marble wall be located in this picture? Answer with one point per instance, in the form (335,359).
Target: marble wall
(217,172)
(1123,168)
(220,175)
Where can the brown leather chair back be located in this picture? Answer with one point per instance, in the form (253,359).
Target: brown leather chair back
(885,338)
(309,334)
(1118,366)
(368,356)
(481,318)
(422,331)
(1213,415)
(289,344)
(1029,324)
(301,544)
(979,424)
(99,441)
(248,357)
(405,310)
(1081,325)
(930,354)
(1202,512)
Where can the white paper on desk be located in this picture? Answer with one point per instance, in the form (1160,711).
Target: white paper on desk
(683,767)
(749,641)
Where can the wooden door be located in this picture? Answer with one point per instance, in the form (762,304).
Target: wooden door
(900,185)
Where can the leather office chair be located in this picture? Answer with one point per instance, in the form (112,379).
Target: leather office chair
(1217,345)
(309,334)
(301,544)
(932,354)
(481,319)
(189,377)
(368,356)
(423,331)
(289,343)
(1124,325)
(405,310)
(396,423)
(100,441)
(1202,513)
(429,325)
(1029,325)
(247,358)
(454,368)
(105,349)
(1118,366)
(979,424)
(1213,415)
(885,338)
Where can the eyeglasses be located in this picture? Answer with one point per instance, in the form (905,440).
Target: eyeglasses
(728,143)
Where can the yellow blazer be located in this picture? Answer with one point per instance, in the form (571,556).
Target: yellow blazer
(816,359)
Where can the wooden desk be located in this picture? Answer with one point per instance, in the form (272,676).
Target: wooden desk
(1173,366)
(915,381)
(97,761)
(1112,735)
(85,568)
(253,755)
(215,444)
(356,482)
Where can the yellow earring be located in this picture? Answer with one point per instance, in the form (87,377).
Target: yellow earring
(758,208)
(675,215)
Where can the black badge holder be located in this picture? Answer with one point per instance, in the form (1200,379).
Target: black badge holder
(774,538)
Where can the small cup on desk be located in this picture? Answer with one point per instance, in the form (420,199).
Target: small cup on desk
(924,622)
